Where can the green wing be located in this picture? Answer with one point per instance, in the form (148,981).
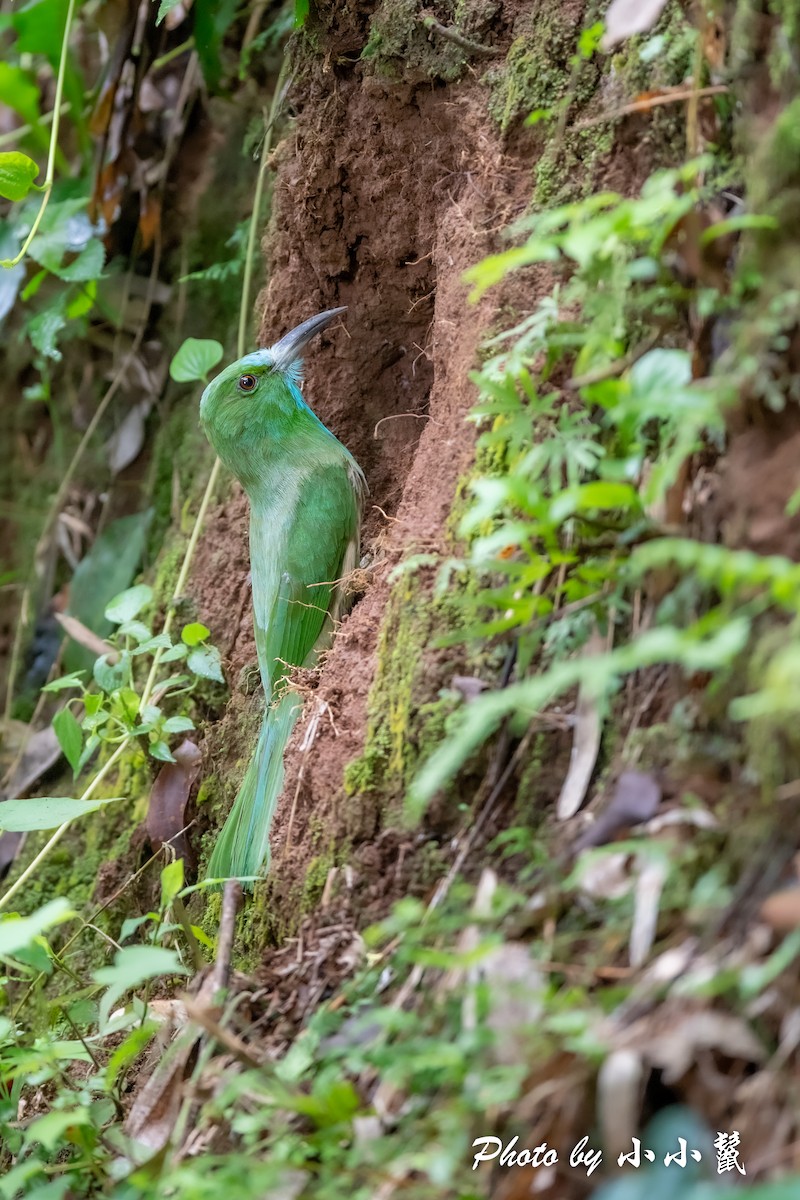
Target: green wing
(325,525)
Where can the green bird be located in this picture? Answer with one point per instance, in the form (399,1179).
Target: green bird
(306,493)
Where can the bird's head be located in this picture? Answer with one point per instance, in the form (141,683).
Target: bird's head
(257,397)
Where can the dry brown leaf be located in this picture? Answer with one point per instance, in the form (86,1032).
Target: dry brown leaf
(470,686)
(627,17)
(620,1086)
(86,637)
(150,220)
(647,897)
(166,813)
(781,910)
(675,1049)
(607,878)
(585,743)
(41,752)
(125,443)
(635,800)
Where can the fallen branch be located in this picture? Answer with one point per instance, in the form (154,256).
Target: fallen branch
(452,35)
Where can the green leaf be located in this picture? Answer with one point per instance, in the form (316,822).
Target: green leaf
(178,725)
(174,653)
(45,812)
(204,661)
(83,301)
(44,328)
(166,6)
(20,93)
(151,714)
(135,629)
(300,13)
(17,932)
(33,285)
(195,359)
(203,938)
(171,881)
(173,681)
(212,19)
(50,1129)
(84,268)
(92,743)
(132,966)
(65,681)
(660,372)
(195,633)
(110,676)
(162,752)
(70,737)
(161,641)
(17,173)
(129,700)
(128,604)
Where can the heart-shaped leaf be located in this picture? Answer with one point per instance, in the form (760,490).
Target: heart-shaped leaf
(204,661)
(128,604)
(195,359)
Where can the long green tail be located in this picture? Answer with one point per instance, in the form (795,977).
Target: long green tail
(242,847)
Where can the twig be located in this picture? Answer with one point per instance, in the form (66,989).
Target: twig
(201,1016)
(451,34)
(231,898)
(613,369)
(648,102)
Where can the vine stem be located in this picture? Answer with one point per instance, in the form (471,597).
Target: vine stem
(53,148)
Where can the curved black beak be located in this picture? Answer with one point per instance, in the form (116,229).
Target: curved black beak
(291,346)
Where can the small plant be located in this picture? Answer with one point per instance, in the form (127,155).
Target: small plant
(113,709)
(586,425)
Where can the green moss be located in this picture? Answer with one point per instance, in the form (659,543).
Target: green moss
(74,866)
(168,568)
(410,703)
(209,793)
(570,171)
(389,750)
(316,877)
(400,48)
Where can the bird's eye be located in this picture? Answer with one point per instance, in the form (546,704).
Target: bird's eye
(247,383)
